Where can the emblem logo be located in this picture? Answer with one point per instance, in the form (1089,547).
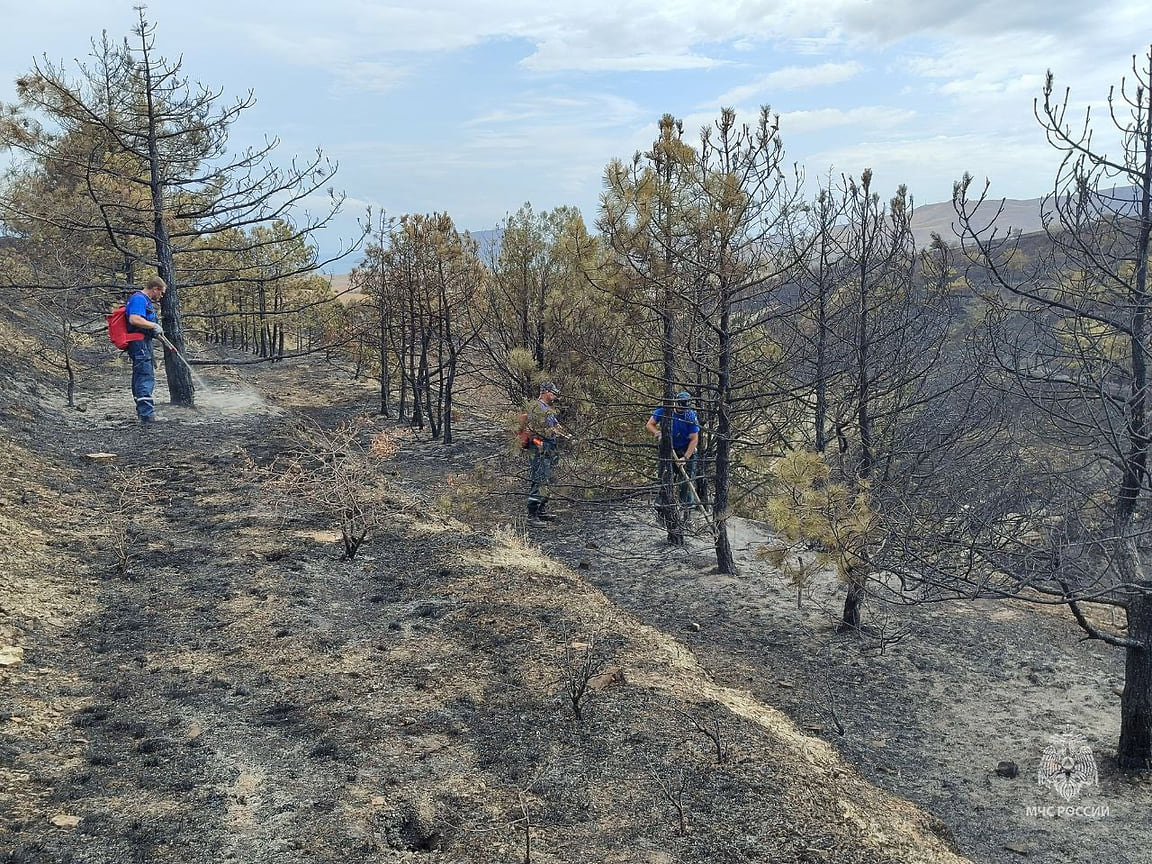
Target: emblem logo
(1067,766)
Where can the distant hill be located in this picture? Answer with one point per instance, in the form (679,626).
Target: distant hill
(488,242)
(1019,216)
(341,287)
(340,282)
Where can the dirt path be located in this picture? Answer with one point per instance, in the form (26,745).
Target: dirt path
(226,626)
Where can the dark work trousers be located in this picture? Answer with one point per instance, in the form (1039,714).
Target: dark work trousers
(545,457)
(685,486)
(143,378)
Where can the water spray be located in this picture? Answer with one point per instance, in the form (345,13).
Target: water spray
(199,381)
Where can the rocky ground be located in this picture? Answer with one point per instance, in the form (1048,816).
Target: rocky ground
(189,671)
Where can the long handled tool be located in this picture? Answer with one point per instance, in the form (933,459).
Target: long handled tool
(175,351)
(168,344)
(696,502)
(199,382)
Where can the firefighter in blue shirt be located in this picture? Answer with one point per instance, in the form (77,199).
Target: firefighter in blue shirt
(685,438)
(143,316)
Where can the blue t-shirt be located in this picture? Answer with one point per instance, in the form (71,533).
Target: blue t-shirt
(140,304)
(684,426)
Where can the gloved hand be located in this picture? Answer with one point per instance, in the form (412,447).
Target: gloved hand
(159,331)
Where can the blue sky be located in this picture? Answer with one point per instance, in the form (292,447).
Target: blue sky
(475,107)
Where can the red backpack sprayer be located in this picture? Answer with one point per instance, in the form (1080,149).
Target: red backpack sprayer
(120,335)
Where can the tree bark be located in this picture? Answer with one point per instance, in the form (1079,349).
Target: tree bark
(385,380)
(853,600)
(1134,752)
(725,562)
(71,393)
(179,376)
(669,492)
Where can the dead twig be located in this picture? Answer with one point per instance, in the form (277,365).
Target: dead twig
(673,793)
(712,731)
(580,667)
(332,471)
(135,493)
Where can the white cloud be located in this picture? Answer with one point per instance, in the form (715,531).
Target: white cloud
(790,78)
(863,117)
(473,107)
(968,20)
(578,112)
(928,165)
(637,63)
(368,76)
(1010,67)
(607,34)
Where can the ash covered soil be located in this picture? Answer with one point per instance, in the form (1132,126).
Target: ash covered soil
(236,692)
